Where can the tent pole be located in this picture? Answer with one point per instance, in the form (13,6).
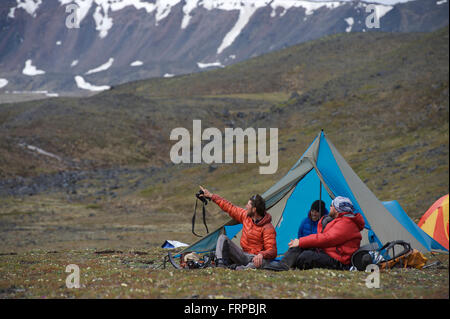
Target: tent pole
(320,198)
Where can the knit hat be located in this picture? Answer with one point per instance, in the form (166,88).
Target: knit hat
(343,204)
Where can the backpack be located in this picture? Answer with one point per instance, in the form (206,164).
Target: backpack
(412,259)
(388,256)
(364,256)
(191,260)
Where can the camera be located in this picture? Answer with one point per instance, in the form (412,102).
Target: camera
(202,198)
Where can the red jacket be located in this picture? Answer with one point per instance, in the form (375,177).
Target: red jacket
(340,239)
(256,238)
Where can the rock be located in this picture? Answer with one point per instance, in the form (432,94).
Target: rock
(212,168)
(294,95)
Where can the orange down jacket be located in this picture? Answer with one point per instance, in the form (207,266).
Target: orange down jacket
(256,238)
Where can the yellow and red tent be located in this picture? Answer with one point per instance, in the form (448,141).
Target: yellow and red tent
(435,221)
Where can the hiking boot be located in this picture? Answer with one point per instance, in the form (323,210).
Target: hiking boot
(220,263)
(250,265)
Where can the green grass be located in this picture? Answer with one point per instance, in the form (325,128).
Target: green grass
(94,206)
(273,97)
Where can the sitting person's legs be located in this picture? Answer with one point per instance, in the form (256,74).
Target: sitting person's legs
(290,257)
(228,252)
(305,259)
(287,262)
(314,258)
(250,265)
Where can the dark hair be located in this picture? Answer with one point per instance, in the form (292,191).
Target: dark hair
(259,203)
(319,206)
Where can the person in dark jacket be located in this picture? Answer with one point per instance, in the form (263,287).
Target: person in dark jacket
(309,224)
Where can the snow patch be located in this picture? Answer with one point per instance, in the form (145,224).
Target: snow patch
(31,70)
(309,6)
(350,22)
(11,12)
(103,22)
(187,9)
(208,65)
(387,2)
(136,63)
(3,83)
(30,6)
(47,93)
(381,10)
(441,2)
(74,62)
(102,67)
(246,11)
(82,84)
(39,150)
(168,75)
(161,8)
(58,42)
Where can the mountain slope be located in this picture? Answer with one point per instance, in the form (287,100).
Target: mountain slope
(123,41)
(381,98)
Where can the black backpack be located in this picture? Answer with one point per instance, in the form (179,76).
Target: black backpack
(369,254)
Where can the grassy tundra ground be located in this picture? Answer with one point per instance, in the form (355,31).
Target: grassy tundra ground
(139,274)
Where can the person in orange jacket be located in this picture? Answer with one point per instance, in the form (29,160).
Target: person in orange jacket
(258,240)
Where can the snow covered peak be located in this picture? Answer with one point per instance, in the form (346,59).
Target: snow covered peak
(387,2)
(162,8)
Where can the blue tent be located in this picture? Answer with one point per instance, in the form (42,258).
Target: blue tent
(322,172)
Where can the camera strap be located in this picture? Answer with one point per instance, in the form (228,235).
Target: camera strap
(204,218)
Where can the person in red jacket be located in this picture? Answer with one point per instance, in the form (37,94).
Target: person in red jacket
(338,237)
(258,239)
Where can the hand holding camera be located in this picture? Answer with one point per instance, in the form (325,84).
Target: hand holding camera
(204,194)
